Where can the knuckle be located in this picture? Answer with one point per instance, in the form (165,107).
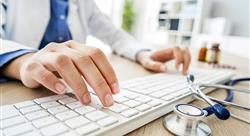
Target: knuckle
(61,60)
(50,46)
(71,42)
(46,76)
(32,65)
(96,52)
(85,60)
(101,84)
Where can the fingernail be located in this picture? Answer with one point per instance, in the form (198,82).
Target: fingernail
(163,68)
(60,87)
(108,100)
(86,98)
(115,88)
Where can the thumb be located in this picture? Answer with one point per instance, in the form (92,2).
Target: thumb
(155,66)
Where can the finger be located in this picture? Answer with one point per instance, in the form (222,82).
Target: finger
(92,75)
(66,69)
(163,55)
(178,57)
(95,79)
(155,66)
(46,78)
(100,60)
(186,61)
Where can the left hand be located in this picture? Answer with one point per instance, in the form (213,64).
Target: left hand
(154,61)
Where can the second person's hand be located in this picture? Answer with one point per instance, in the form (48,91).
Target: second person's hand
(75,63)
(154,61)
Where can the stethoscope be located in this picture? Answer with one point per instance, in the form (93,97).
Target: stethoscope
(187,118)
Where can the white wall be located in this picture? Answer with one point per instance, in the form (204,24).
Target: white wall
(236,11)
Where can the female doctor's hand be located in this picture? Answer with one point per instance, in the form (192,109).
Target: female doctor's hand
(75,63)
(154,61)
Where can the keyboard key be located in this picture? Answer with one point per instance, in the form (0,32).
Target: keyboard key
(74,105)
(143,99)
(33,133)
(69,134)
(11,121)
(185,91)
(44,122)
(143,107)
(58,109)
(54,129)
(176,88)
(17,130)
(179,93)
(30,109)
(159,94)
(87,129)
(141,91)
(24,104)
(96,115)
(8,112)
(49,104)
(154,103)
(131,96)
(118,108)
(50,98)
(77,122)
(120,99)
(132,103)
(84,109)
(169,97)
(156,88)
(66,115)
(107,121)
(36,115)
(67,100)
(129,113)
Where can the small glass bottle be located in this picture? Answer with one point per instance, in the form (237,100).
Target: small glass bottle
(202,53)
(213,54)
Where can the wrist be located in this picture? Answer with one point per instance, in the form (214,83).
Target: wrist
(12,69)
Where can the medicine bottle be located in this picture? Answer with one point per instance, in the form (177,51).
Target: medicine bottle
(213,54)
(202,52)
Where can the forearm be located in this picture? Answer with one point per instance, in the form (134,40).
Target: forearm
(12,69)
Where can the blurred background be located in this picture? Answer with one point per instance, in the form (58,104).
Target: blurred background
(197,23)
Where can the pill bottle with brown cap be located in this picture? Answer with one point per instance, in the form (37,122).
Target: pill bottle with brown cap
(213,54)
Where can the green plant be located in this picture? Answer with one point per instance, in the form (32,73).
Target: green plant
(128,15)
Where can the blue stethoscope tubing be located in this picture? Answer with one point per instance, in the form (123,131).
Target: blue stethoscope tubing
(219,110)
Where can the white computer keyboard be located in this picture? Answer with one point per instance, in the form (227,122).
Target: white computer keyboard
(140,101)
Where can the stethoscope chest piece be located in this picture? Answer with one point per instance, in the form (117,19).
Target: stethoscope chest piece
(187,121)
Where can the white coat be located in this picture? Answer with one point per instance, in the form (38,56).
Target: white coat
(25,22)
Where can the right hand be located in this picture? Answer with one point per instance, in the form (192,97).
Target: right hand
(75,63)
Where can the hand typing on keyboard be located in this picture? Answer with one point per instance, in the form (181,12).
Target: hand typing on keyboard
(72,61)
(140,101)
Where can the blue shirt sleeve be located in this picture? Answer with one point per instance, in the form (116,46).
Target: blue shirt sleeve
(7,57)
